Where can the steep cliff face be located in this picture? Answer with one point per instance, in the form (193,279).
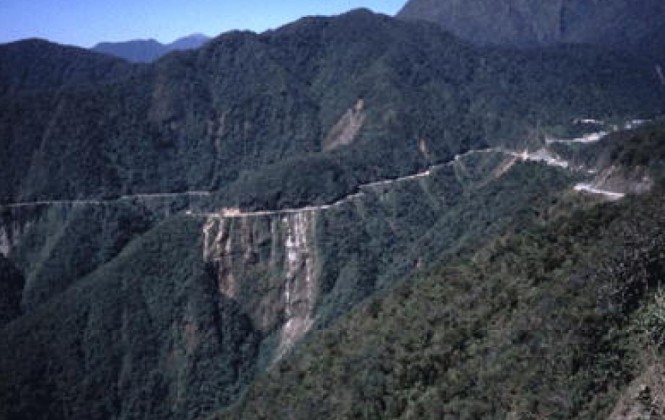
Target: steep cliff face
(529,327)
(530,23)
(127,315)
(267,263)
(186,315)
(14,223)
(294,270)
(145,336)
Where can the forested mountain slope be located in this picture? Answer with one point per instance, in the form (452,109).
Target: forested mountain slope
(189,312)
(37,65)
(178,229)
(246,100)
(561,319)
(11,286)
(635,25)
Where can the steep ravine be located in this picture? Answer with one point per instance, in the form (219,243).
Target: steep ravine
(35,257)
(271,261)
(252,286)
(28,219)
(54,244)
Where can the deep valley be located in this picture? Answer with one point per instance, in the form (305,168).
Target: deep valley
(356,216)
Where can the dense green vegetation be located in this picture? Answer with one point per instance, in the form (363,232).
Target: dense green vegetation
(149,300)
(639,148)
(391,232)
(37,65)
(196,120)
(11,287)
(64,244)
(635,25)
(145,336)
(643,147)
(539,324)
(486,289)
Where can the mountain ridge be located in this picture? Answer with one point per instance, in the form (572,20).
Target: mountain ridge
(230,74)
(149,50)
(183,230)
(530,23)
(37,64)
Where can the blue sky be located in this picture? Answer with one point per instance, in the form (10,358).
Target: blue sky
(86,22)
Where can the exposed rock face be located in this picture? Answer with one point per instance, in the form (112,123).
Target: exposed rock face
(301,285)
(347,128)
(154,339)
(528,23)
(14,223)
(268,263)
(644,398)
(286,270)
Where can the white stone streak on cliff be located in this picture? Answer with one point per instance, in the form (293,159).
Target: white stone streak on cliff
(5,244)
(11,233)
(291,268)
(505,167)
(346,130)
(218,249)
(208,245)
(274,242)
(300,286)
(661,76)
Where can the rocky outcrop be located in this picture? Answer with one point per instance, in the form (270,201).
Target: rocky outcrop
(267,263)
(644,398)
(289,269)
(15,223)
(345,131)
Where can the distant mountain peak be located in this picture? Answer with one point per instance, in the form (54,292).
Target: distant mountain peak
(196,36)
(148,50)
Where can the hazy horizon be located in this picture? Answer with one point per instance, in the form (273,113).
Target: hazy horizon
(85,24)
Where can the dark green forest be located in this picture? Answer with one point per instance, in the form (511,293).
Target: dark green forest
(198,120)
(550,322)
(345,217)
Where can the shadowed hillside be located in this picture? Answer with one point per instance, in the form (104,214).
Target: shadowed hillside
(632,25)
(346,217)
